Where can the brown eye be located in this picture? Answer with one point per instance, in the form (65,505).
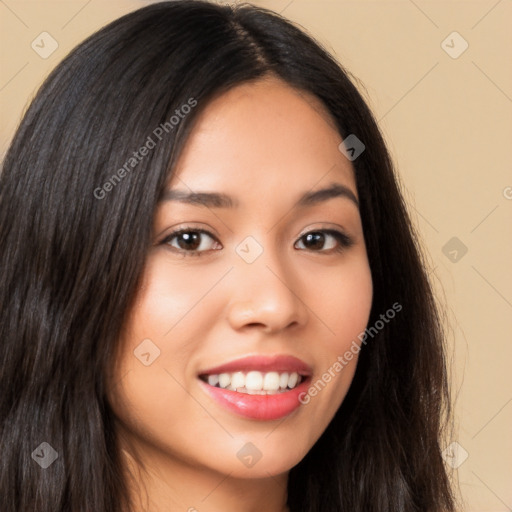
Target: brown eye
(323,241)
(191,241)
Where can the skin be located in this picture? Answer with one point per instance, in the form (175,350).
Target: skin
(265,144)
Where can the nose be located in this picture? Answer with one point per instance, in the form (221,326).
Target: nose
(266,296)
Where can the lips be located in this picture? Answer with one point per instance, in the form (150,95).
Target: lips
(258,387)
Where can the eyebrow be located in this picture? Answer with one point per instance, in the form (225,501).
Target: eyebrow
(220,200)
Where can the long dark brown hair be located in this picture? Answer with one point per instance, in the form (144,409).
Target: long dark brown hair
(71,258)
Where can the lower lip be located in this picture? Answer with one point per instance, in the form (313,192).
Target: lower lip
(258,407)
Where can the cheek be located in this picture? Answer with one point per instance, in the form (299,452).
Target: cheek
(169,297)
(158,338)
(169,293)
(351,304)
(342,302)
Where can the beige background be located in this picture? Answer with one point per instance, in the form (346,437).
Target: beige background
(448,122)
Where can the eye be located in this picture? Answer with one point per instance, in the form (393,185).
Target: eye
(326,240)
(191,241)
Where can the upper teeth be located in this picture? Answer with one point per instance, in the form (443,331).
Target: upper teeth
(255,382)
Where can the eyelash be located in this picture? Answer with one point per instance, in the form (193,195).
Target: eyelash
(344,241)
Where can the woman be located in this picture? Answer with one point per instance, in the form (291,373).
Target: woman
(213,298)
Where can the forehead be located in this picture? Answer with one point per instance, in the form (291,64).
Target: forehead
(261,137)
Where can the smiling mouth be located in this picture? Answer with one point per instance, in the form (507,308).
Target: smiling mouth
(255,382)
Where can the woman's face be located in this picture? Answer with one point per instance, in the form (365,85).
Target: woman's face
(267,285)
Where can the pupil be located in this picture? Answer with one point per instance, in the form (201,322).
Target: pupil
(315,240)
(190,241)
